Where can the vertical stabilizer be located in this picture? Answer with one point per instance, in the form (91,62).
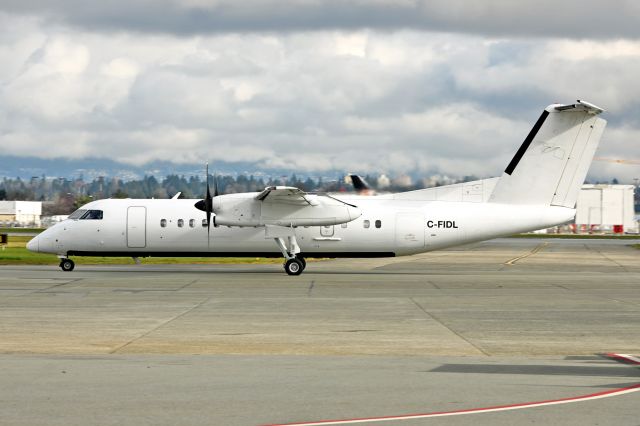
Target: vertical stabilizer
(553,161)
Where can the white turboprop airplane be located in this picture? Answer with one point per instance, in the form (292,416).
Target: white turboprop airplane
(538,189)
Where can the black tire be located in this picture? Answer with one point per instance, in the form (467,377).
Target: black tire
(293,267)
(304,262)
(67,265)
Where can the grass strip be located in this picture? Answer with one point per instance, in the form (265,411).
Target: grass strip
(22,256)
(21,230)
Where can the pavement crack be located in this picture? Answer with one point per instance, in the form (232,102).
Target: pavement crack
(593,249)
(438,320)
(42,290)
(313,283)
(180,315)
(186,285)
(433,284)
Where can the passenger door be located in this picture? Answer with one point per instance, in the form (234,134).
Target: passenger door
(137,227)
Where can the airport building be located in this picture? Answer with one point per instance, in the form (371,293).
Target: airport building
(20,213)
(606,208)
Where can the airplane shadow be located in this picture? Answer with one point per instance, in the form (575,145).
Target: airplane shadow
(546,370)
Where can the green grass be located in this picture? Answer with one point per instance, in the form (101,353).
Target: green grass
(636,246)
(21,230)
(578,236)
(15,253)
(22,256)
(19,240)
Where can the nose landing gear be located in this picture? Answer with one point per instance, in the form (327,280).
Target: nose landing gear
(66,264)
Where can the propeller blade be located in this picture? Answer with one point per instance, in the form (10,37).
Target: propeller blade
(206,205)
(208,196)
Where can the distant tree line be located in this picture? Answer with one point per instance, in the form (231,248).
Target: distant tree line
(62,196)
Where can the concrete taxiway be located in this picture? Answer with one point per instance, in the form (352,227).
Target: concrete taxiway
(502,322)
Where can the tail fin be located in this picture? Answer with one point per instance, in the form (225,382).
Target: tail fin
(552,163)
(359,184)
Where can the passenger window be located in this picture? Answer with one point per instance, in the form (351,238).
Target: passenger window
(163,223)
(366,223)
(192,223)
(343,225)
(204,223)
(180,223)
(378,224)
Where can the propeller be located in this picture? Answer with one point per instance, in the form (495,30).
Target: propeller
(206,205)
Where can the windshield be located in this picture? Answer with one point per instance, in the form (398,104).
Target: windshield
(77,214)
(84,214)
(92,214)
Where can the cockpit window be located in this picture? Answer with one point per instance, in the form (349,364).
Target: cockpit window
(92,214)
(77,214)
(84,214)
(88,214)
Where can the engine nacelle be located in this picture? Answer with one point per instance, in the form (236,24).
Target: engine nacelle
(245,210)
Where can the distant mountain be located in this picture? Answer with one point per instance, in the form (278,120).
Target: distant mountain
(90,168)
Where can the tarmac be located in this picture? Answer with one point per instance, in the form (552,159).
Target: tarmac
(504,322)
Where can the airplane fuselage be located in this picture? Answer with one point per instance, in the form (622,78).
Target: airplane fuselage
(386,227)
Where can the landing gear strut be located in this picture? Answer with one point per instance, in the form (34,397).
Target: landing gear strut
(66,264)
(293,265)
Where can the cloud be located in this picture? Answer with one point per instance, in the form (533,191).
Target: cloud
(360,100)
(543,18)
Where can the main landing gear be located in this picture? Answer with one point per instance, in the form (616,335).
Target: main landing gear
(67,264)
(294,264)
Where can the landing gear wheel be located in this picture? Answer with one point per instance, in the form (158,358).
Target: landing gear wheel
(293,266)
(67,265)
(304,262)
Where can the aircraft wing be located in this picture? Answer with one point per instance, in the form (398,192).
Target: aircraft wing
(285,195)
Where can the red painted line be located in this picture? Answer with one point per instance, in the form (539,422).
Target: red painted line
(598,395)
(625,358)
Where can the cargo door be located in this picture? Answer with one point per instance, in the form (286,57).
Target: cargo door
(410,230)
(326,231)
(136,227)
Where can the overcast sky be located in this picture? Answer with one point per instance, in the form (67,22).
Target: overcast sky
(362,86)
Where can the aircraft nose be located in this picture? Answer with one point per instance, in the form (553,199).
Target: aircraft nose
(33,244)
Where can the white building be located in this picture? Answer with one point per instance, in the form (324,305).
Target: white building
(22,213)
(48,221)
(607,208)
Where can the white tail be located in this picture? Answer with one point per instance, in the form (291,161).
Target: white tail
(552,163)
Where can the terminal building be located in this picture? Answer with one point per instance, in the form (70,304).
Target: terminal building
(20,213)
